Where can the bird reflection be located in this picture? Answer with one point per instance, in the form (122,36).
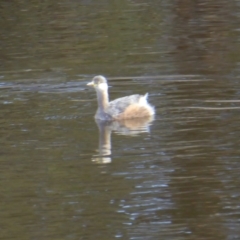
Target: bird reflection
(129,127)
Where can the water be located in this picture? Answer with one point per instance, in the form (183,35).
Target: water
(65,176)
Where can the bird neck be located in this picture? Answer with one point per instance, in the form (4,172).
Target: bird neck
(102,99)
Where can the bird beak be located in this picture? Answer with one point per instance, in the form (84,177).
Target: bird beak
(90,84)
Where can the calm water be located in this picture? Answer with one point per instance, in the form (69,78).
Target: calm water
(65,176)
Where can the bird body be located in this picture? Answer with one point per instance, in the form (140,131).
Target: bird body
(129,107)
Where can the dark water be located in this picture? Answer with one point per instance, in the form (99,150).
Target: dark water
(65,176)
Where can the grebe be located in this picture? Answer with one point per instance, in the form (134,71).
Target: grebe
(130,107)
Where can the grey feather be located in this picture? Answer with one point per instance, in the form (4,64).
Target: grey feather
(119,105)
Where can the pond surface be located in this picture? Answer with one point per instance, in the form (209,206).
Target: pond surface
(65,176)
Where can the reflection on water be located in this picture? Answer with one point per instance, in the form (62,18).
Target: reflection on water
(127,127)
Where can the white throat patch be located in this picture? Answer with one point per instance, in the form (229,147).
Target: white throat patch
(103,86)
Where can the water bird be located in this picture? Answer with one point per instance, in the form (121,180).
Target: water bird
(129,107)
